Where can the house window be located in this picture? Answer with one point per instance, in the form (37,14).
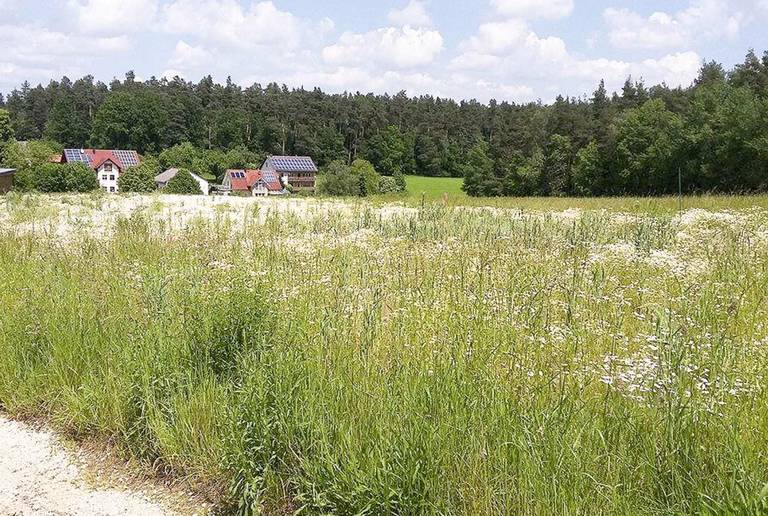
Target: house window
(108,167)
(111,188)
(104,177)
(112,177)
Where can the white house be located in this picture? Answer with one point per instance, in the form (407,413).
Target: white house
(108,164)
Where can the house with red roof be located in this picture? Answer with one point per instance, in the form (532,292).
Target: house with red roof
(107,164)
(256,183)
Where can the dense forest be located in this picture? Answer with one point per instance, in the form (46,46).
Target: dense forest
(711,136)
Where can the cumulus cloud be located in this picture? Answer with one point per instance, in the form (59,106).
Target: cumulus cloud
(113,16)
(502,51)
(707,19)
(390,46)
(414,14)
(227,22)
(530,9)
(51,54)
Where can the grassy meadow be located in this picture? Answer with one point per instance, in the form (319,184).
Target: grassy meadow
(357,357)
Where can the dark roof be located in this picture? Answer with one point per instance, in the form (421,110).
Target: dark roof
(94,158)
(290,164)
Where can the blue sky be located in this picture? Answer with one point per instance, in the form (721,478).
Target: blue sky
(517,50)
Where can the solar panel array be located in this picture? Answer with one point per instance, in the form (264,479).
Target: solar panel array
(238,175)
(77,156)
(293,164)
(128,158)
(269,176)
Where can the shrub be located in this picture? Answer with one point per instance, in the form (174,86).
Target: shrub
(69,177)
(183,183)
(140,179)
(79,178)
(387,184)
(49,177)
(358,179)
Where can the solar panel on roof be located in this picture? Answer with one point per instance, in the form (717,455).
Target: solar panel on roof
(76,156)
(128,158)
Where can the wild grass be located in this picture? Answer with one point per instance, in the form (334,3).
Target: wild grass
(364,359)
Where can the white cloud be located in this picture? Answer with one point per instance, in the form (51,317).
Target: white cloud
(414,15)
(114,16)
(509,52)
(226,22)
(510,48)
(47,46)
(50,54)
(530,9)
(188,57)
(390,46)
(703,19)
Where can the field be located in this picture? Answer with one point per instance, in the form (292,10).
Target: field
(433,188)
(358,357)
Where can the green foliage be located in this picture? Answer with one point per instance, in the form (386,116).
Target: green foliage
(649,147)
(478,170)
(587,171)
(358,179)
(26,158)
(79,178)
(68,177)
(6,130)
(183,183)
(391,152)
(557,165)
(131,120)
(140,179)
(388,184)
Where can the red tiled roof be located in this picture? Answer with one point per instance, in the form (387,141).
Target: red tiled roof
(251,178)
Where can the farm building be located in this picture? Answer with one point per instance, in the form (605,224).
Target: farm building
(6,179)
(257,183)
(298,171)
(108,164)
(161,180)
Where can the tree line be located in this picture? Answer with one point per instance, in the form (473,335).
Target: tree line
(710,136)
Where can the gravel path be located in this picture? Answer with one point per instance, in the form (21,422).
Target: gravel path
(38,476)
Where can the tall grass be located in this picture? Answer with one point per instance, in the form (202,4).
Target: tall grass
(441,361)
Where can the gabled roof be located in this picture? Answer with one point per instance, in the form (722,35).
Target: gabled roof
(95,158)
(290,164)
(164,177)
(243,180)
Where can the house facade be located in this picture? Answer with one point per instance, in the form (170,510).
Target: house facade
(107,164)
(256,183)
(161,180)
(298,171)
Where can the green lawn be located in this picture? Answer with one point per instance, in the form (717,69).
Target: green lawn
(435,187)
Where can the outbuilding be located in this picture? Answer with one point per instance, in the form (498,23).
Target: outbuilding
(161,180)
(6,179)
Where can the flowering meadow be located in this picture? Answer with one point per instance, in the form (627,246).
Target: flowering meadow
(532,357)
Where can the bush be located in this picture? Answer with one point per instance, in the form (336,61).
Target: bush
(387,184)
(69,177)
(183,183)
(79,178)
(359,179)
(49,177)
(140,179)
